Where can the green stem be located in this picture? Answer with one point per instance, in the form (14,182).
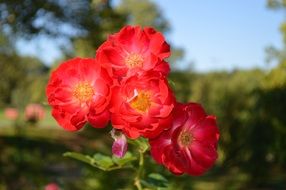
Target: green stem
(137,179)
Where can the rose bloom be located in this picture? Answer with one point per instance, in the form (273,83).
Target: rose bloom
(142,105)
(190,145)
(34,112)
(134,50)
(79,91)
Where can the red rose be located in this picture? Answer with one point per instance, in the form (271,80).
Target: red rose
(142,106)
(190,145)
(134,50)
(79,91)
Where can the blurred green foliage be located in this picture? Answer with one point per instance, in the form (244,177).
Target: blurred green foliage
(152,14)
(250,105)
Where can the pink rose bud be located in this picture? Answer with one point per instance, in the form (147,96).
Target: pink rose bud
(52,186)
(119,146)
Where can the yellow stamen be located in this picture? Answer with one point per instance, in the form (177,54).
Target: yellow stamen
(141,102)
(185,138)
(134,60)
(83,91)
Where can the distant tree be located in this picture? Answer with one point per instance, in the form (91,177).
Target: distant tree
(16,70)
(144,13)
(11,74)
(274,53)
(276,4)
(84,23)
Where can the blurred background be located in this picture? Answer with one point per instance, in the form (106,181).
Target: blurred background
(230,56)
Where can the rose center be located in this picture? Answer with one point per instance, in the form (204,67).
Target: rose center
(134,60)
(141,102)
(83,91)
(185,138)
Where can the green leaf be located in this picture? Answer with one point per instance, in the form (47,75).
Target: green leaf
(142,143)
(80,157)
(103,161)
(125,160)
(155,180)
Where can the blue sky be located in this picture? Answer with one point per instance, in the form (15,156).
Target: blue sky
(223,34)
(216,35)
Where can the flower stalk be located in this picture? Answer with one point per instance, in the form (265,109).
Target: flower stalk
(139,174)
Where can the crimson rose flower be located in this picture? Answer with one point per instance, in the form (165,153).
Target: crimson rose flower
(190,145)
(134,50)
(79,91)
(142,106)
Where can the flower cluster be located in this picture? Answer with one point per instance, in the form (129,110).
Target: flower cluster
(126,83)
